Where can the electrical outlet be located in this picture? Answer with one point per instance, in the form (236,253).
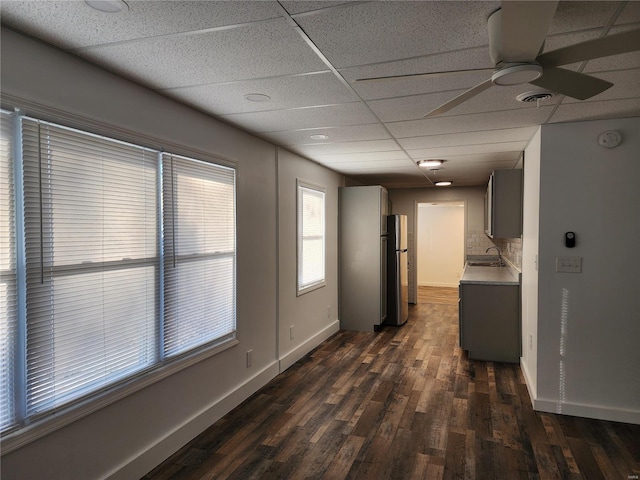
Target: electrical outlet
(291,335)
(530,341)
(328,311)
(249,358)
(569,264)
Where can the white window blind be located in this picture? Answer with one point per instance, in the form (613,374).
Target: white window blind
(8,318)
(311,237)
(200,257)
(91,226)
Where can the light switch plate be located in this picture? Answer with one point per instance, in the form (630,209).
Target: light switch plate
(569,264)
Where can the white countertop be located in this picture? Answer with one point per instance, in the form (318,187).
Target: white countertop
(490,275)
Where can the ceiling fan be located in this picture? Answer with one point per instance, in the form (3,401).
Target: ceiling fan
(516,37)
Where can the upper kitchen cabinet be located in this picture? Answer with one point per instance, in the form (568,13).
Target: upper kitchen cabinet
(503,204)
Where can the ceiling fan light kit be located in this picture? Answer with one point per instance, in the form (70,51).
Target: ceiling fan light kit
(516,74)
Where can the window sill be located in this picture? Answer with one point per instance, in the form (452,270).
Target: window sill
(311,288)
(66,415)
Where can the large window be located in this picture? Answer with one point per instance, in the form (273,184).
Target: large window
(119,275)
(311,237)
(199,253)
(8,303)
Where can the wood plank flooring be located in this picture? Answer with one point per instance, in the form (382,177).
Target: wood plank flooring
(403,403)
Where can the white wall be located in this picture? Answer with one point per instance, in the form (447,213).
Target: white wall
(588,323)
(129,437)
(313,315)
(440,243)
(404,201)
(529,284)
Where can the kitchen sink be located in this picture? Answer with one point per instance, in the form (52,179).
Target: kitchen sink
(484,264)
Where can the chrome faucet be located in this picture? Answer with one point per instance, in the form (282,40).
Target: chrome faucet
(499,254)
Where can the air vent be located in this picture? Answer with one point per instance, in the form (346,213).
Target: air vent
(534,97)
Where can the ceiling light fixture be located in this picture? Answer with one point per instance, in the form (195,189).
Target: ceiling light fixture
(318,136)
(108,6)
(517,74)
(257,97)
(443,184)
(430,163)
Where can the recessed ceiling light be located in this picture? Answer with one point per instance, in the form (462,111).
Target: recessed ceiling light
(443,184)
(430,163)
(108,6)
(318,136)
(257,97)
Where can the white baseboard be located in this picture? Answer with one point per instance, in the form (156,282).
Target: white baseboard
(597,412)
(528,380)
(143,461)
(297,353)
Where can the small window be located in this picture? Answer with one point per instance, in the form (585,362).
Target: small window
(311,237)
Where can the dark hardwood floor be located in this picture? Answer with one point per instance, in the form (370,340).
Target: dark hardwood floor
(403,403)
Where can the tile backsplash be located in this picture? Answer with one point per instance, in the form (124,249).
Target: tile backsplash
(511,248)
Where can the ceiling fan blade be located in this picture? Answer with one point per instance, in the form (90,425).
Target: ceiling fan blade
(524,28)
(615,44)
(570,83)
(422,75)
(472,92)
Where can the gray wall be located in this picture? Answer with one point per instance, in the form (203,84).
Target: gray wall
(588,323)
(130,436)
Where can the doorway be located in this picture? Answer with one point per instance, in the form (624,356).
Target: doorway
(440,243)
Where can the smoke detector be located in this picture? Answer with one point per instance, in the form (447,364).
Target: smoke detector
(535,96)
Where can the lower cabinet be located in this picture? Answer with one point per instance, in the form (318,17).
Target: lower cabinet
(490,322)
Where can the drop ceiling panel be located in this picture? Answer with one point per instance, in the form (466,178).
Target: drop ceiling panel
(630,14)
(573,16)
(597,110)
(366,157)
(313,117)
(350,147)
(285,92)
(255,51)
(470,123)
(300,7)
(371,167)
(448,152)
(75,24)
(523,134)
(371,32)
(347,133)
(481,158)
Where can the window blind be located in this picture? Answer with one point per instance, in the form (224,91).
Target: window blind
(200,257)
(311,237)
(91,228)
(8,313)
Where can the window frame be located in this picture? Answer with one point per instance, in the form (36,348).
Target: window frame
(300,186)
(29,428)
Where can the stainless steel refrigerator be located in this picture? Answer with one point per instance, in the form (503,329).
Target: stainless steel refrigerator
(397,271)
